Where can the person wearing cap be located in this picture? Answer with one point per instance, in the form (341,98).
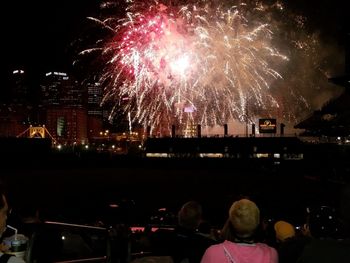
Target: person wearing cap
(238,234)
(289,246)
(284,231)
(4,210)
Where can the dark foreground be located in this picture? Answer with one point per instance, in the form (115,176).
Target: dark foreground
(85,188)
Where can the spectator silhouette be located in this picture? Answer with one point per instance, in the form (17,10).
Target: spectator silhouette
(238,233)
(288,244)
(284,231)
(30,220)
(324,246)
(4,210)
(344,209)
(186,243)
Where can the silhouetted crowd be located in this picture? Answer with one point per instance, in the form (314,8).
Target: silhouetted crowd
(244,238)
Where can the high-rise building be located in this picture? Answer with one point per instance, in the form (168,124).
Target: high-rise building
(94,98)
(19,87)
(51,86)
(65,106)
(13,120)
(59,89)
(17,110)
(95,110)
(68,125)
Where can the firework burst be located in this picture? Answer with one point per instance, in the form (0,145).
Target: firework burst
(198,63)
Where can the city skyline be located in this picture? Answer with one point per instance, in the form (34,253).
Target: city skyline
(42,35)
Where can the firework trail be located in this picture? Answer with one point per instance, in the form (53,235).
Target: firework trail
(202,63)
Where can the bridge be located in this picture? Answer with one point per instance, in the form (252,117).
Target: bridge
(36,132)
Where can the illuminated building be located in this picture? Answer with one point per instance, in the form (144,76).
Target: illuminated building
(95,111)
(19,87)
(94,99)
(66,115)
(59,89)
(68,125)
(240,148)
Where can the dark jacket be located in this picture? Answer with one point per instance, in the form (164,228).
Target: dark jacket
(181,244)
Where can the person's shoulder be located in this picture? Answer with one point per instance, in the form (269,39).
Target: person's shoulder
(215,247)
(266,247)
(14,259)
(268,250)
(213,252)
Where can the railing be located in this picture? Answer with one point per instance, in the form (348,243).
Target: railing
(61,242)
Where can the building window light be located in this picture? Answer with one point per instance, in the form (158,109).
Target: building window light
(211,155)
(262,155)
(161,155)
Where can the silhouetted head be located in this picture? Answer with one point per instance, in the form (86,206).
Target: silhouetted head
(284,230)
(190,215)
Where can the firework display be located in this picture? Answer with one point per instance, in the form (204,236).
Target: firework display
(169,62)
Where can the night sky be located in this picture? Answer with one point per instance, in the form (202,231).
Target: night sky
(38,35)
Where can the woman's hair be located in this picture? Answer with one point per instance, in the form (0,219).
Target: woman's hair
(244,218)
(227,232)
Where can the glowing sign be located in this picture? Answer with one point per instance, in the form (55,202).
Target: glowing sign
(267,125)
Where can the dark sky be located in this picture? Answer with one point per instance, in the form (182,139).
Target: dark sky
(37,34)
